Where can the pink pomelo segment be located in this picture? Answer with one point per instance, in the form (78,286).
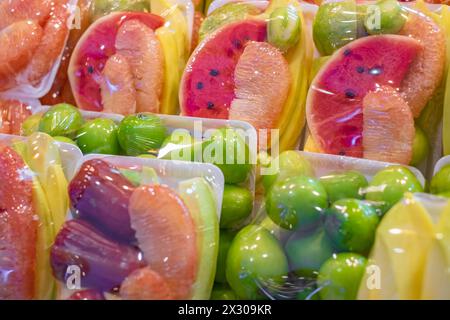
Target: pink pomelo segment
(388,129)
(166,235)
(262,82)
(335,98)
(208,86)
(145,284)
(93,50)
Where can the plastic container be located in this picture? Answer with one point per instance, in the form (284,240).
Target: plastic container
(143,229)
(23,88)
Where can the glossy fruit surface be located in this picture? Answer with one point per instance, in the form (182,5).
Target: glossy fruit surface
(344,185)
(237,205)
(98,136)
(61,120)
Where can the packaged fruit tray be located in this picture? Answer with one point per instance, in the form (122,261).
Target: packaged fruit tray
(321,212)
(139,229)
(31,64)
(34,202)
(379,80)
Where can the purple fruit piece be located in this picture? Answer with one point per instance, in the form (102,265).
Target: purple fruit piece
(88,294)
(103,264)
(207,86)
(99,193)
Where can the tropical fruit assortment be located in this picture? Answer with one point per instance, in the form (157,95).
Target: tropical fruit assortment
(34,204)
(378,79)
(109,190)
(132,236)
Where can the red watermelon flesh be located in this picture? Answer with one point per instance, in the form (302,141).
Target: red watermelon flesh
(207,86)
(18,228)
(335,98)
(93,50)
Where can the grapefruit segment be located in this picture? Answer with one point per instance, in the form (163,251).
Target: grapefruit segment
(139,45)
(262,83)
(426,72)
(92,51)
(117,88)
(334,107)
(207,86)
(12,11)
(388,128)
(18,228)
(145,284)
(18,43)
(166,235)
(12,115)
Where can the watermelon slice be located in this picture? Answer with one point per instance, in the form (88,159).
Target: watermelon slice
(208,87)
(98,44)
(335,99)
(18,228)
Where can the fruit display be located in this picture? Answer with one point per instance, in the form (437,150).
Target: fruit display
(141,239)
(378,95)
(34,202)
(259,76)
(33,34)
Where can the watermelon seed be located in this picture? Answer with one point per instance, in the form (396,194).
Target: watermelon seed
(210,105)
(237,44)
(199,85)
(342,153)
(349,93)
(214,72)
(360,69)
(347,52)
(90,69)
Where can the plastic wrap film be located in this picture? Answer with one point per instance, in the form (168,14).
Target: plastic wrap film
(370,102)
(34,202)
(140,229)
(228,74)
(33,36)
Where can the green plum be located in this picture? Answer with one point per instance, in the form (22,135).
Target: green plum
(284,27)
(385,17)
(390,184)
(228,150)
(98,136)
(340,276)
(180,145)
(421,147)
(237,205)
(440,183)
(222,292)
(308,293)
(344,185)
(141,133)
(61,120)
(278,232)
(65,140)
(255,259)
(226,237)
(337,24)
(307,251)
(31,124)
(351,225)
(297,202)
(288,164)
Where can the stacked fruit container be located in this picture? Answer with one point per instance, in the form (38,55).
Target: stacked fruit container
(224,150)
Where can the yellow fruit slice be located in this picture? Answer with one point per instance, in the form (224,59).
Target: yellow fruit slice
(399,254)
(57,195)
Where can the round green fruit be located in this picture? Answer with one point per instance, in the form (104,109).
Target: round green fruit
(288,164)
(226,237)
(141,133)
(98,136)
(351,225)
(440,183)
(61,120)
(390,184)
(308,251)
(385,17)
(421,147)
(340,276)
(308,293)
(230,153)
(180,145)
(297,202)
(255,259)
(284,27)
(237,205)
(31,124)
(344,185)
(221,292)
(65,140)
